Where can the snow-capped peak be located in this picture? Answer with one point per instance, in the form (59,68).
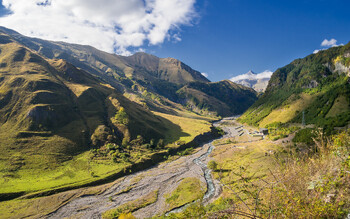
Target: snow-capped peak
(253,76)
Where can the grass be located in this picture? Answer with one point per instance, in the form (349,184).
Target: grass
(79,170)
(288,112)
(290,181)
(22,208)
(231,158)
(189,127)
(132,206)
(51,150)
(341,105)
(190,189)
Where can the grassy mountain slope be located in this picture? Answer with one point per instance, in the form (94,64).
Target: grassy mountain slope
(52,114)
(317,84)
(142,78)
(71,115)
(112,67)
(220,98)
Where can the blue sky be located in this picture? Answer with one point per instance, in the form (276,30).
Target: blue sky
(234,36)
(229,37)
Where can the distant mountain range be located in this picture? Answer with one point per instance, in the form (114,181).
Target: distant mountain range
(250,79)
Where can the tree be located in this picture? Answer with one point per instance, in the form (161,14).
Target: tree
(212,165)
(122,117)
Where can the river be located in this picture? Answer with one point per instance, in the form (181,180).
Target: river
(163,178)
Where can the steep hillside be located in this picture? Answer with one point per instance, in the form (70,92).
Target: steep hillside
(223,98)
(317,85)
(71,115)
(142,78)
(112,67)
(51,112)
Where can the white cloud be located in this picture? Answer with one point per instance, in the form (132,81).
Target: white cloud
(329,43)
(205,74)
(249,76)
(109,25)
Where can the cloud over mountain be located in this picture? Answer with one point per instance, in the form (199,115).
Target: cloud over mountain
(109,25)
(258,82)
(328,43)
(252,76)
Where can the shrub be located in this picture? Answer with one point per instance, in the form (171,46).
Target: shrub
(305,136)
(122,117)
(220,131)
(212,165)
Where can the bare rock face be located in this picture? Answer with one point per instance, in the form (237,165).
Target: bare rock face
(339,67)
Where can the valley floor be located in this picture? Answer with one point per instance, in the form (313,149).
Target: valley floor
(162,180)
(128,193)
(245,173)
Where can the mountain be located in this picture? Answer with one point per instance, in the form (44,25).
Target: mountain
(142,77)
(112,67)
(258,82)
(53,110)
(71,115)
(316,86)
(217,98)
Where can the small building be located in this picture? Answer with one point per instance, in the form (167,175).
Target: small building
(264,131)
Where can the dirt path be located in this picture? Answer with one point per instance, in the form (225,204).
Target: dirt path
(164,178)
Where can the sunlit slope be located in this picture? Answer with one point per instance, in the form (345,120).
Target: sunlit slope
(51,111)
(146,79)
(317,85)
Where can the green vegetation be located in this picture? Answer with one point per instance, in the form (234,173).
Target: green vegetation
(122,116)
(212,165)
(306,136)
(293,181)
(44,144)
(278,130)
(62,128)
(154,82)
(131,206)
(188,129)
(189,190)
(126,216)
(24,208)
(310,85)
(187,151)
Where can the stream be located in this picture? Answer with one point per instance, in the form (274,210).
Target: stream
(207,175)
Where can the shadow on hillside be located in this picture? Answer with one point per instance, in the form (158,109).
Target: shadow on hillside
(174,132)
